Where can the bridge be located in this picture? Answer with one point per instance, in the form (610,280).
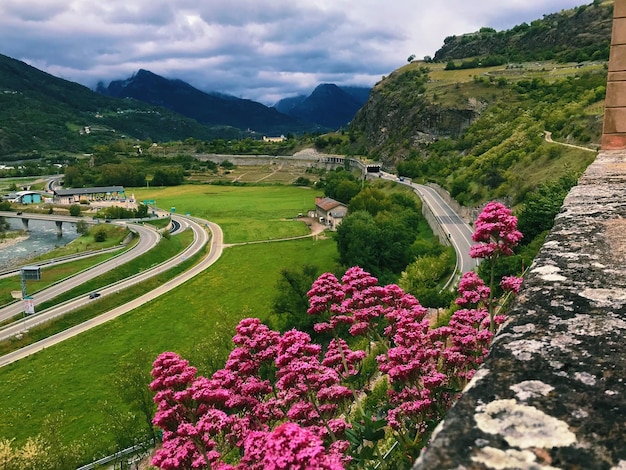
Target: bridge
(57,219)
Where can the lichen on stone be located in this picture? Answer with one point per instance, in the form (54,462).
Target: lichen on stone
(549,273)
(531,389)
(523,349)
(523,426)
(585,378)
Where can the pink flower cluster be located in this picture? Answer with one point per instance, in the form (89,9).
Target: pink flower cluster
(472,291)
(288,447)
(283,402)
(495,231)
(203,419)
(358,301)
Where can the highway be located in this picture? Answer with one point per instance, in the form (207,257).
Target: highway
(459,234)
(148,239)
(458,231)
(201,237)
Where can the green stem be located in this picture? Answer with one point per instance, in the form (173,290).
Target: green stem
(492,323)
(344,361)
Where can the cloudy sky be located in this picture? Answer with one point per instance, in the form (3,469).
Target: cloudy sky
(257,49)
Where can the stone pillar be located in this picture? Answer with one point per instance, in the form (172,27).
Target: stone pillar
(59,228)
(25,224)
(614,131)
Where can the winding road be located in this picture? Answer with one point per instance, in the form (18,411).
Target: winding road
(458,231)
(201,238)
(459,234)
(148,239)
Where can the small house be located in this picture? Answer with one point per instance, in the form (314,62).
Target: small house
(330,212)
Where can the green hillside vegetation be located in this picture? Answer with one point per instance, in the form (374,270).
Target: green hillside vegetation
(481,133)
(576,35)
(43,113)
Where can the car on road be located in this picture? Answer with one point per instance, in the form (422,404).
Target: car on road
(94,295)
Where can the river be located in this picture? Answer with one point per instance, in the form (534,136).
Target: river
(42,237)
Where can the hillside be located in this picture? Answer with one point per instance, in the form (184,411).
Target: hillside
(479,131)
(210,109)
(575,35)
(43,113)
(329,105)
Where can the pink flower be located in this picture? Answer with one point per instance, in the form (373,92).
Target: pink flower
(288,447)
(338,352)
(511,283)
(473,290)
(171,371)
(496,231)
(325,291)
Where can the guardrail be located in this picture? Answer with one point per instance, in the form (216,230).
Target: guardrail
(118,455)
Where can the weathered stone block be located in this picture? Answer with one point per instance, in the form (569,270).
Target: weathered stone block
(619,9)
(617,76)
(615,94)
(613,141)
(614,120)
(618,35)
(617,58)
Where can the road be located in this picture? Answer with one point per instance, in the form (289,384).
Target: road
(148,239)
(548,137)
(458,231)
(201,237)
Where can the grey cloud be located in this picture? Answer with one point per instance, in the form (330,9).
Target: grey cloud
(257,49)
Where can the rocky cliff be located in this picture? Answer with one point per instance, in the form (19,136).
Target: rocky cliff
(399,116)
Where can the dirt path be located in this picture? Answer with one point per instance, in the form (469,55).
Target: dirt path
(316,229)
(548,137)
(274,171)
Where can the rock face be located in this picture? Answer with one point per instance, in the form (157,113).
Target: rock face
(552,393)
(395,116)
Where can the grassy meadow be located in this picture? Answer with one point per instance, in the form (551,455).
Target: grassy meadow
(245,213)
(74,379)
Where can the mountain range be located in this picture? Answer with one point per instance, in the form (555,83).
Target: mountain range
(44,113)
(210,109)
(329,105)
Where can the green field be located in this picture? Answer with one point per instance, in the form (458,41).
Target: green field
(245,213)
(75,378)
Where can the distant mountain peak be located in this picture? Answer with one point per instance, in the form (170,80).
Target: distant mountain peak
(329,105)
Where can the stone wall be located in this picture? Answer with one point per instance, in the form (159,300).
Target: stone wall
(552,392)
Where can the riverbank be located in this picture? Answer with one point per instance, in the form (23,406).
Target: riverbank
(7,242)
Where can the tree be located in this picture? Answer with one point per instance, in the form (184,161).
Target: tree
(142,211)
(341,185)
(291,302)
(75,210)
(82,227)
(359,242)
(100,235)
(372,200)
(131,382)
(541,206)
